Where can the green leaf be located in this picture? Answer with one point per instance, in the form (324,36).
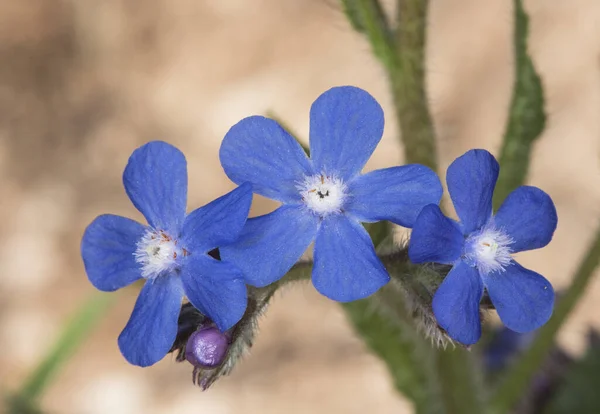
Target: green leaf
(527,118)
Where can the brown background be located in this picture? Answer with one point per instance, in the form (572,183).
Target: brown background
(83,82)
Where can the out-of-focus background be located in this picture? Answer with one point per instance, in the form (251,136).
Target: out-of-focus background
(83,83)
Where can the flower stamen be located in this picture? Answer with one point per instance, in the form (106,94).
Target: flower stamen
(156,253)
(323,194)
(488,250)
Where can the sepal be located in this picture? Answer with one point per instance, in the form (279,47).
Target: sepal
(240,338)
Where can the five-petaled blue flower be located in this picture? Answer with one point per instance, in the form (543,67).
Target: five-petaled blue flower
(480,248)
(324,198)
(170,253)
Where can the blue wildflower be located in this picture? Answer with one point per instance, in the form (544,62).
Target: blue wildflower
(480,249)
(324,198)
(170,253)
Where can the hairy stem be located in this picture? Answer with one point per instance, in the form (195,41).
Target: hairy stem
(402,54)
(408,84)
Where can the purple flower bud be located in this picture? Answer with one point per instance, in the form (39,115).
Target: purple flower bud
(206,348)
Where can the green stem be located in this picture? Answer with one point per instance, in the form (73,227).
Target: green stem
(522,371)
(526,119)
(402,348)
(403,56)
(462,390)
(388,328)
(408,84)
(72,336)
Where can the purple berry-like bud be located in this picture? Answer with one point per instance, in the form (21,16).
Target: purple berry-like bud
(206,348)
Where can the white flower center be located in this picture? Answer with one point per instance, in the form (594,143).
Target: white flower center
(323,194)
(157,252)
(488,250)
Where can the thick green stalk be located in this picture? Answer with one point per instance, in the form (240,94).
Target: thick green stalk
(408,84)
(522,371)
(462,389)
(403,56)
(526,117)
(403,349)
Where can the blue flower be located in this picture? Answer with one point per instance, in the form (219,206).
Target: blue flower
(170,253)
(324,198)
(480,249)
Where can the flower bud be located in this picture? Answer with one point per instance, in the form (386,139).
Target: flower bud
(206,348)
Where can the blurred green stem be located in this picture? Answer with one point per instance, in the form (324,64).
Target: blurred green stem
(83,321)
(402,54)
(408,84)
(526,119)
(522,371)
(462,389)
(403,349)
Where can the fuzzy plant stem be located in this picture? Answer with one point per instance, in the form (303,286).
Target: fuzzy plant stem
(402,53)
(408,84)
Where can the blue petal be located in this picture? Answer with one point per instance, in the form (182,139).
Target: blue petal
(219,222)
(155,180)
(259,151)
(456,304)
(107,249)
(346,124)
(152,328)
(215,288)
(346,267)
(471,180)
(435,238)
(270,245)
(524,299)
(396,194)
(529,217)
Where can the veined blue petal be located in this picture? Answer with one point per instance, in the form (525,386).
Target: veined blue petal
(529,217)
(152,328)
(259,151)
(155,180)
(346,267)
(456,304)
(215,288)
(346,124)
(397,194)
(270,245)
(107,249)
(435,238)
(471,180)
(219,222)
(523,299)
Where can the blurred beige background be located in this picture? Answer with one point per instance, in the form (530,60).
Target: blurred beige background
(83,82)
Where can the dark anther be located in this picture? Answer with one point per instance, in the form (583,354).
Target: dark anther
(321,195)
